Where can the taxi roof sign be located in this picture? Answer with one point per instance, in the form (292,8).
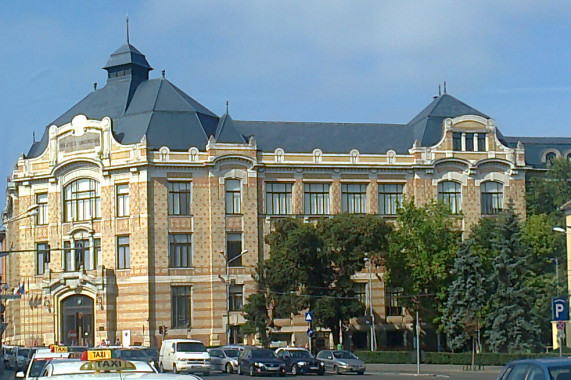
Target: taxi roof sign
(58,349)
(107,365)
(96,355)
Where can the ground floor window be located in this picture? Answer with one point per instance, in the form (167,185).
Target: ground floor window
(180,306)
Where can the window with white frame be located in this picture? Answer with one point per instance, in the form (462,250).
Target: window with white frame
(179,198)
(450,193)
(492,197)
(354,198)
(180,250)
(234,249)
(81,255)
(122,193)
(316,198)
(233,196)
(123,252)
(360,289)
(236,297)
(180,306)
(390,198)
(469,141)
(549,157)
(42,257)
(82,200)
(42,215)
(278,198)
(393,301)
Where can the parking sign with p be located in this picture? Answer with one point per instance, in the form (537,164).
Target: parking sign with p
(559,309)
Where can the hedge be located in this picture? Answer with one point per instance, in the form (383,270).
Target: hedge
(461,358)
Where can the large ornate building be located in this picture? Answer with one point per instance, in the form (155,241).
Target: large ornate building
(140,208)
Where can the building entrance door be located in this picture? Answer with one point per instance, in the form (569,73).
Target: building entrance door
(77,321)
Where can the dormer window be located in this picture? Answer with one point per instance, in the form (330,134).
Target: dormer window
(469,141)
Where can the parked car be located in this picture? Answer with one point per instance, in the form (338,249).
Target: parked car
(184,355)
(260,361)
(340,361)
(39,360)
(300,361)
(20,358)
(224,359)
(8,353)
(537,369)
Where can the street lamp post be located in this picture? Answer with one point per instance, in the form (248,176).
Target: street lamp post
(227,282)
(566,232)
(371,314)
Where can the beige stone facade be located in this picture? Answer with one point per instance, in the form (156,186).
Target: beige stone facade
(131,303)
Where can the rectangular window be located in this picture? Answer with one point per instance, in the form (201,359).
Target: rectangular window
(180,307)
(180,250)
(481,142)
(278,198)
(316,198)
(469,142)
(233,196)
(360,289)
(450,193)
(457,141)
(236,298)
(123,252)
(390,198)
(122,192)
(42,215)
(179,198)
(234,249)
(492,198)
(354,198)
(42,257)
(394,306)
(81,256)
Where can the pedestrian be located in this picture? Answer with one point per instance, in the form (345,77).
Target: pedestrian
(117,342)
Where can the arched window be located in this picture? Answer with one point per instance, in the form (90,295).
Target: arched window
(569,157)
(82,200)
(549,157)
(450,193)
(492,197)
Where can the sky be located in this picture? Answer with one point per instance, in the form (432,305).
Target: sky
(320,60)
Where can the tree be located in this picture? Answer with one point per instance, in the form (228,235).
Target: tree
(467,299)
(256,309)
(421,253)
(546,194)
(509,325)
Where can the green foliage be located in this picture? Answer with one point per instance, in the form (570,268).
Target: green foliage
(467,298)
(256,309)
(421,253)
(510,327)
(310,267)
(546,194)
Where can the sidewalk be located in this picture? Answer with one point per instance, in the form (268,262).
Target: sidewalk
(427,368)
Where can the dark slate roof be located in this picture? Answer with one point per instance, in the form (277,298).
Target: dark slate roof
(329,137)
(126,55)
(227,132)
(427,124)
(536,147)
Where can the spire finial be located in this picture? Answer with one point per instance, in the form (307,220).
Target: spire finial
(127,22)
(227,105)
(34,136)
(94,86)
(445,87)
(163,73)
(439,93)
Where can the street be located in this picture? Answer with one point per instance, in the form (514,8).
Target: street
(377,371)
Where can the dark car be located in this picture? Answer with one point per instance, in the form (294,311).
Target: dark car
(260,361)
(300,361)
(537,369)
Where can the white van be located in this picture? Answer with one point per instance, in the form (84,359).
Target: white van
(184,355)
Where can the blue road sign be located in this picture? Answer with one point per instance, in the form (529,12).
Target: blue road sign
(559,309)
(309,316)
(310,333)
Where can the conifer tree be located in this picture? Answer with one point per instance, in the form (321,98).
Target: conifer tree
(466,299)
(509,324)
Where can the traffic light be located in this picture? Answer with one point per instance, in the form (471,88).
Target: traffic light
(165,329)
(161,330)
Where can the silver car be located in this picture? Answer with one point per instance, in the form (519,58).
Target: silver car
(224,359)
(339,361)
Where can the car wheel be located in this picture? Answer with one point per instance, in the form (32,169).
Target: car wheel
(321,372)
(361,373)
(228,368)
(336,370)
(252,373)
(174,370)
(207,373)
(294,370)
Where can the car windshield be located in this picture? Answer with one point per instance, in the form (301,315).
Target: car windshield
(151,352)
(263,354)
(37,367)
(300,354)
(564,371)
(190,347)
(343,355)
(232,353)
